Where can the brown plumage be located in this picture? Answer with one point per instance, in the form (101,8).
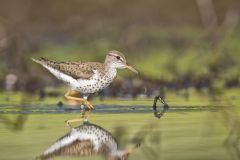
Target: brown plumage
(77,148)
(82,76)
(86,77)
(77,70)
(87,140)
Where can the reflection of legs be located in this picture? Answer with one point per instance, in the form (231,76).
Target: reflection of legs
(83,100)
(84,117)
(85,112)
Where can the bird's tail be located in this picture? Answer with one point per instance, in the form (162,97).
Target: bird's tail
(42,157)
(41,60)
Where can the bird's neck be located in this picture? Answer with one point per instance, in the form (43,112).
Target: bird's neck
(110,71)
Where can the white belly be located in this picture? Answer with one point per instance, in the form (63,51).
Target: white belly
(94,84)
(86,86)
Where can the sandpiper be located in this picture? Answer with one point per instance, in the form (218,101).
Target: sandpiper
(86,77)
(88,140)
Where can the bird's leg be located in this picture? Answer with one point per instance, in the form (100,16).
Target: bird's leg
(85,115)
(84,118)
(85,112)
(82,100)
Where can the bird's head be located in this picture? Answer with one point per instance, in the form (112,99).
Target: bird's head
(117,60)
(123,154)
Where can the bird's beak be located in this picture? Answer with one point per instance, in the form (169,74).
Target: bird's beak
(133,149)
(131,68)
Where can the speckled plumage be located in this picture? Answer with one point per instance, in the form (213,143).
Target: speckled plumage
(85,140)
(86,77)
(77,70)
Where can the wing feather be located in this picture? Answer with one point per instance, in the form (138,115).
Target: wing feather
(77,70)
(76,148)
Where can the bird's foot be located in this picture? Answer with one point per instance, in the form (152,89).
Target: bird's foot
(68,122)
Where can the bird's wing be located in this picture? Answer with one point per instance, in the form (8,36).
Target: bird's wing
(75,148)
(77,70)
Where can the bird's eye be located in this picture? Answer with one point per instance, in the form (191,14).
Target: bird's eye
(118,57)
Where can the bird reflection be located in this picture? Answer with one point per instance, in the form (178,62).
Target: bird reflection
(86,140)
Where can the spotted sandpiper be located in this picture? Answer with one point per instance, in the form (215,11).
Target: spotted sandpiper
(86,77)
(88,140)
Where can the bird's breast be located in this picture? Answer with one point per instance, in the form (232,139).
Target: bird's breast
(96,83)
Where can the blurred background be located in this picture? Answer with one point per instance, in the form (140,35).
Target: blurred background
(187,51)
(173,44)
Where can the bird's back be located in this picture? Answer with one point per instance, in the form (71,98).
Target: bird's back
(74,69)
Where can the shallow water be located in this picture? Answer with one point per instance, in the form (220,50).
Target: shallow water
(54,109)
(184,132)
